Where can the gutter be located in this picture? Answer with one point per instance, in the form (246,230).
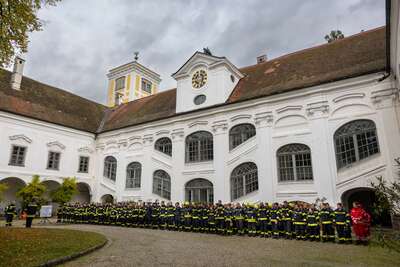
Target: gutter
(388,12)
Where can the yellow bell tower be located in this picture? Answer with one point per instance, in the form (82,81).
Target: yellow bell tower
(131,81)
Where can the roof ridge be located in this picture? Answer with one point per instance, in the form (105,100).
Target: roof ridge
(315,47)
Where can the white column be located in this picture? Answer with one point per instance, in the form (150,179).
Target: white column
(121,170)
(221,149)
(178,161)
(323,169)
(265,156)
(147,168)
(388,128)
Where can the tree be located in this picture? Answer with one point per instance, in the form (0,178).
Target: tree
(17,19)
(387,198)
(32,191)
(3,187)
(65,191)
(334,35)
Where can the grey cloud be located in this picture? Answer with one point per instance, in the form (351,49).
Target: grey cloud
(82,40)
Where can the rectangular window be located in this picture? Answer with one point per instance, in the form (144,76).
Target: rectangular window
(53,162)
(146,86)
(17,157)
(83,164)
(120,83)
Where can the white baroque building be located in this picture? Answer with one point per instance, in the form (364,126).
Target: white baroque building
(318,123)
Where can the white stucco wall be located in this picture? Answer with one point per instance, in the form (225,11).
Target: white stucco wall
(309,116)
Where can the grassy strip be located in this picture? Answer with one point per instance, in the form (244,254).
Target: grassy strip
(33,247)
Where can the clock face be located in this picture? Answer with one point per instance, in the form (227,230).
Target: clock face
(199,79)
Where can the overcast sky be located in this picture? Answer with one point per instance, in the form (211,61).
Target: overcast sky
(82,40)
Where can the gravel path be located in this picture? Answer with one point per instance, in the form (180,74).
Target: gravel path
(146,247)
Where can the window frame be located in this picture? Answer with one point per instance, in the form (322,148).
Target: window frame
(110,168)
(54,166)
(119,83)
(351,140)
(135,181)
(163,147)
(288,162)
(146,84)
(85,165)
(199,147)
(241,135)
(165,178)
(244,182)
(10,161)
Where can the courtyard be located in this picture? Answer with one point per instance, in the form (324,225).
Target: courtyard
(146,247)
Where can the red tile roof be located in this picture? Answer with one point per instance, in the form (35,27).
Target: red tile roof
(353,56)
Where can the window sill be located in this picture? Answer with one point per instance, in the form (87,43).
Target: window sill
(109,180)
(199,163)
(16,165)
(50,169)
(246,196)
(358,163)
(238,147)
(295,182)
(133,189)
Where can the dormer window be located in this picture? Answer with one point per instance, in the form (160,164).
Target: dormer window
(146,86)
(120,83)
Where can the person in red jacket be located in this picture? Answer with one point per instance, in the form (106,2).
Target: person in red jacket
(361,223)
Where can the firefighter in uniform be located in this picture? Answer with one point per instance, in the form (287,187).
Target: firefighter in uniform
(274,218)
(219,217)
(10,212)
(342,224)
(31,213)
(239,219)
(262,220)
(286,214)
(326,218)
(313,230)
(187,216)
(211,218)
(228,219)
(204,218)
(178,223)
(299,222)
(251,220)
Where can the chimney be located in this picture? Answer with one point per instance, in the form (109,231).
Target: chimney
(261,59)
(16,76)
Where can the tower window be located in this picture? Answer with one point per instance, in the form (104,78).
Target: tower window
(120,83)
(146,86)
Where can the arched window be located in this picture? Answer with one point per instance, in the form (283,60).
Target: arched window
(355,141)
(244,180)
(110,168)
(199,147)
(162,184)
(294,163)
(133,174)
(199,190)
(240,134)
(164,145)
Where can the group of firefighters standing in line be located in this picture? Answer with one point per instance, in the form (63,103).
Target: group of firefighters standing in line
(288,220)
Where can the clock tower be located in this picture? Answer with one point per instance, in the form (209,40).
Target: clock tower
(203,81)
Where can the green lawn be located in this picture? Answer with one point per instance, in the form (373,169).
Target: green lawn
(31,247)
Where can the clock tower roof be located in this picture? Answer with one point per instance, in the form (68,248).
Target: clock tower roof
(199,59)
